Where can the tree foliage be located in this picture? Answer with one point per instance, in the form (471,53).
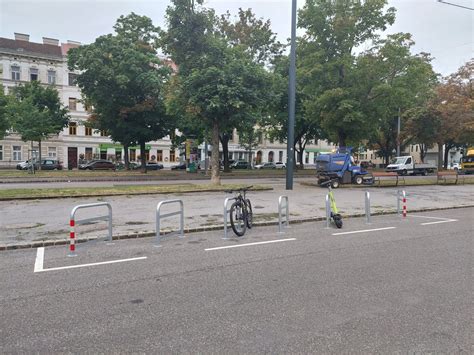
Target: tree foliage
(331,80)
(123,78)
(36,112)
(4,121)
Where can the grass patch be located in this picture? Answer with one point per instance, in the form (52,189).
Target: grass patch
(12,194)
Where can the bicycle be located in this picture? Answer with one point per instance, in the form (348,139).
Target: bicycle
(335,216)
(241,216)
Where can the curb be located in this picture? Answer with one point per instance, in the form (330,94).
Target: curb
(146,234)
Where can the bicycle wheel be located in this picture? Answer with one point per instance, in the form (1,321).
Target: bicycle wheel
(337,220)
(237,218)
(249,213)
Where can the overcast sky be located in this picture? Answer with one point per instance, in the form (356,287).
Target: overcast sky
(442,30)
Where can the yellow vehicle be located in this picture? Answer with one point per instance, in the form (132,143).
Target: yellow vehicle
(467,161)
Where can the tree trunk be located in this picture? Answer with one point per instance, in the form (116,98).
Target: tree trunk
(143,157)
(447,148)
(224,139)
(215,174)
(422,152)
(440,155)
(300,154)
(126,158)
(341,137)
(39,148)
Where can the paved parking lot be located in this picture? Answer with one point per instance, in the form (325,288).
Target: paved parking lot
(395,285)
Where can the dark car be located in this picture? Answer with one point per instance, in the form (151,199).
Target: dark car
(98,165)
(180,166)
(153,166)
(240,165)
(46,164)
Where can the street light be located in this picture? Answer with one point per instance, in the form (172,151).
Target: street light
(290,153)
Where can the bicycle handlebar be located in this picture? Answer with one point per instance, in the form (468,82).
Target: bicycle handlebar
(241,189)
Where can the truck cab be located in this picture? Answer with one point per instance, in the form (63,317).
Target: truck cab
(467,161)
(406,166)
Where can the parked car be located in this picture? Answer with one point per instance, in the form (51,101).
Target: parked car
(46,164)
(280,165)
(454,166)
(180,166)
(269,165)
(153,166)
(240,165)
(97,165)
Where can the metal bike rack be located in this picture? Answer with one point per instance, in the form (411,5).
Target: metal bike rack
(73,222)
(328,212)
(159,216)
(226,212)
(286,215)
(367,207)
(401,197)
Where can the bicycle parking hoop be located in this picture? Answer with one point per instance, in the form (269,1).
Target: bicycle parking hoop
(159,216)
(226,212)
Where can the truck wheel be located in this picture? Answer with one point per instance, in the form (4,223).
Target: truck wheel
(404,172)
(335,183)
(359,180)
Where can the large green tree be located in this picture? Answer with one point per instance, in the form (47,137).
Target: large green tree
(219,83)
(124,80)
(333,29)
(4,121)
(36,112)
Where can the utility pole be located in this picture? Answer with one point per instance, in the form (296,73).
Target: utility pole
(290,153)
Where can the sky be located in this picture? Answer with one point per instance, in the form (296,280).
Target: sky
(444,31)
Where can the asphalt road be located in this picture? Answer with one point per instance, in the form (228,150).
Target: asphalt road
(404,288)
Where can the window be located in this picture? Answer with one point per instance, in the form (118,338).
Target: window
(15,72)
(16,152)
(172,155)
(33,74)
(1,152)
(88,131)
(133,155)
(72,79)
(280,155)
(52,152)
(51,77)
(103,133)
(72,128)
(409,161)
(72,104)
(88,154)
(159,155)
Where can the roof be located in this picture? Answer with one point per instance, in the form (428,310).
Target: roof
(26,47)
(65,47)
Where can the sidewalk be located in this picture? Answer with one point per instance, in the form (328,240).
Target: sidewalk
(33,223)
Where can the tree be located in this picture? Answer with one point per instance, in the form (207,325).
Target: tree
(332,30)
(455,102)
(124,80)
(36,113)
(218,83)
(395,81)
(4,122)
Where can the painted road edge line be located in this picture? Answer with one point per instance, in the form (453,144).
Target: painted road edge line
(437,222)
(91,264)
(365,231)
(250,244)
(39,259)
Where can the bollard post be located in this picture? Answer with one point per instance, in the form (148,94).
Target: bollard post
(328,212)
(282,223)
(367,207)
(72,238)
(398,202)
(404,204)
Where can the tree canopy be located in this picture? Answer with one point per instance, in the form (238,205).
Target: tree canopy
(124,80)
(36,112)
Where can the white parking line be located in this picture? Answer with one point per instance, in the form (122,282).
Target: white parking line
(364,231)
(249,244)
(40,259)
(445,221)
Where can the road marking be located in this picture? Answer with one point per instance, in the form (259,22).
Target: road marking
(445,221)
(441,220)
(364,231)
(249,244)
(39,259)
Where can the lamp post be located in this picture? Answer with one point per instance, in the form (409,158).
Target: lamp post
(290,152)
